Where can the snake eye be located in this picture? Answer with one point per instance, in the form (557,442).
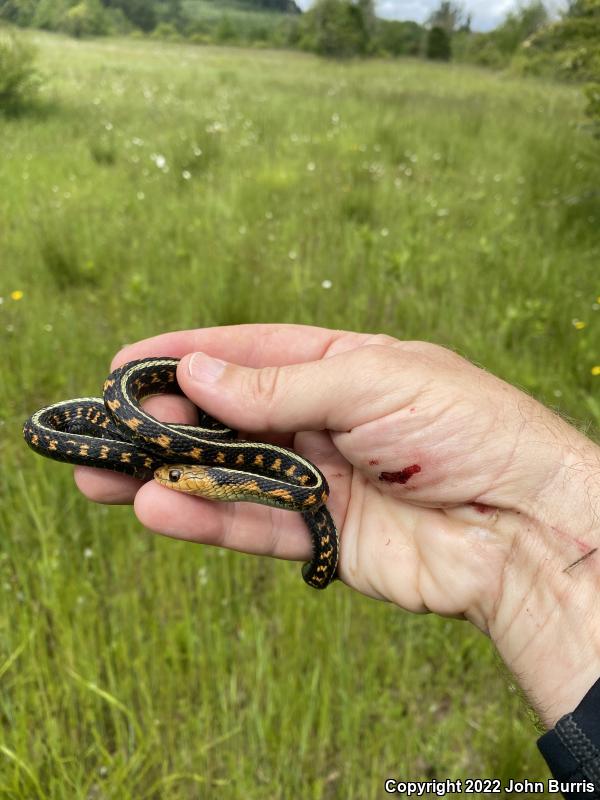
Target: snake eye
(174,475)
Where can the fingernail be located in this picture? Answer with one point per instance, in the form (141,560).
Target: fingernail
(204,368)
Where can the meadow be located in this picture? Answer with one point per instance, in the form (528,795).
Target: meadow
(163,186)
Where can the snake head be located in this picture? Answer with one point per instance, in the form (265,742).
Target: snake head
(213,483)
(188,478)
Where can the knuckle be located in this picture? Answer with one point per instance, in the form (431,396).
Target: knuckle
(398,348)
(377,356)
(382,339)
(383,361)
(263,388)
(438,356)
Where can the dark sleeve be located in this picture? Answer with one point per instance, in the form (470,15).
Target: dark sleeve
(572,748)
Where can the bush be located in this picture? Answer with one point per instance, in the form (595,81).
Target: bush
(287,33)
(394,38)
(199,38)
(568,49)
(117,22)
(18,12)
(50,14)
(520,25)
(479,48)
(19,78)
(166,31)
(140,13)
(496,48)
(336,28)
(87,18)
(593,108)
(225,31)
(438,44)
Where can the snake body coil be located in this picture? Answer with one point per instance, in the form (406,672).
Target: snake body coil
(116,433)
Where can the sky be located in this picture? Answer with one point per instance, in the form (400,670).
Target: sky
(485,14)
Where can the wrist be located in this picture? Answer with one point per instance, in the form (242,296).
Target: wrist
(569,503)
(546,623)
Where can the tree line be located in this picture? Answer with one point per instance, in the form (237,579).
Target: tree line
(337,28)
(527,40)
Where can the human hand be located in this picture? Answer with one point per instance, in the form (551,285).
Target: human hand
(453,492)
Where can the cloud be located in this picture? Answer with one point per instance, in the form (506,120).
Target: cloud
(485,14)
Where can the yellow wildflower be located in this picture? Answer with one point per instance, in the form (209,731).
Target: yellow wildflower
(16,295)
(578,324)
(595,369)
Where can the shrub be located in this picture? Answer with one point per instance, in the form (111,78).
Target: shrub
(520,25)
(225,31)
(199,38)
(50,14)
(18,12)
(287,32)
(118,23)
(140,13)
(479,48)
(87,18)
(593,107)
(19,78)
(438,44)
(396,38)
(496,48)
(166,31)
(337,28)
(567,49)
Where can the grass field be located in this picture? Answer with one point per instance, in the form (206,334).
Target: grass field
(166,186)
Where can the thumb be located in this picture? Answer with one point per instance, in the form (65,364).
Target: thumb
(336,393)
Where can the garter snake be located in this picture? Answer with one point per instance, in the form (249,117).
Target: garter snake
(115,432)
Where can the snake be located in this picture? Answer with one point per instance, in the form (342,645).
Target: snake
(208,459)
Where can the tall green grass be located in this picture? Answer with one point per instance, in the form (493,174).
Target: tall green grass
(164,186)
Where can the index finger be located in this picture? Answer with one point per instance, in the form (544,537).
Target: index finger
(258,345)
